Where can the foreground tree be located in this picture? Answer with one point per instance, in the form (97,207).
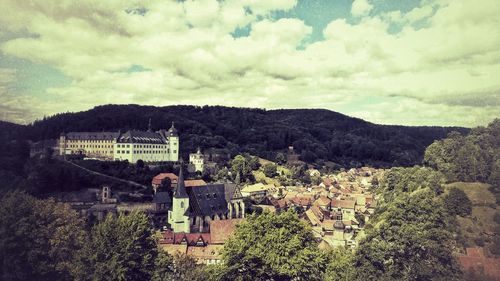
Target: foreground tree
(121,248)
(340,265)
(273,247)
(410,241)
(39,239)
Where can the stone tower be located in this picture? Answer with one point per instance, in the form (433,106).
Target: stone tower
(173,140)
(178,217)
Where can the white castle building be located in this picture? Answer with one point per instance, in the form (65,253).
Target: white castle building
(148,146)
(197,160)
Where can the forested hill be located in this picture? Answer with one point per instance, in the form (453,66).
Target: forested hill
(314,133)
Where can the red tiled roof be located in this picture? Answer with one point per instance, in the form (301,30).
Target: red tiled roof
(301,201)
(220,230)
(169,237)
(278,204)
(344,204)
(475,259)
(327,181)
(191,183)
(158,179)
(323,201)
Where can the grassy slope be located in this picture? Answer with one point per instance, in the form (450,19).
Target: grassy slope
(480,226)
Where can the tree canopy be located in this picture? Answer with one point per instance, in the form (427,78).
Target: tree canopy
(39,239)
(474,157)
(273,247)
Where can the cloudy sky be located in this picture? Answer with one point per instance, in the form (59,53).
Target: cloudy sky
(411,62)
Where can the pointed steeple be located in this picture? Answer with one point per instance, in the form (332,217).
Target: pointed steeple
(180,191)
(149,126)
(237,180)
(172,132)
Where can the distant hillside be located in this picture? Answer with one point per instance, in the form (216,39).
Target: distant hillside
(314,133)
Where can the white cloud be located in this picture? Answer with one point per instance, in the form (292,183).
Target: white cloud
(361,8)
(192,57)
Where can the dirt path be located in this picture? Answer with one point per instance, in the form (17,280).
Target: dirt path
(107,176)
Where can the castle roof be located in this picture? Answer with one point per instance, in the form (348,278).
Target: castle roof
(92,135)
(172,132)
(134,136)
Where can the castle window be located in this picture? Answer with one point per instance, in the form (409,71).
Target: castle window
(182,205)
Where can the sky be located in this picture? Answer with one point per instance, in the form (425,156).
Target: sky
(409,62)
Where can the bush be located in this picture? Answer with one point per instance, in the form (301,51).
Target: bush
(479,241)
(457,203)
(270,170)
(496,218)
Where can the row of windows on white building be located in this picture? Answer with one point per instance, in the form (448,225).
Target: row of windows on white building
(145,151)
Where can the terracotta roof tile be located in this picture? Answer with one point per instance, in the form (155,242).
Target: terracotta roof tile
(220,230)
(157,180)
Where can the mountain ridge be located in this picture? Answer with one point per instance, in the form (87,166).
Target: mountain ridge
(317,134)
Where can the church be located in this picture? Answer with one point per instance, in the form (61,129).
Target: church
(194,206)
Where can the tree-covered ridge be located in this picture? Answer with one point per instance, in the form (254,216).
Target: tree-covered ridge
(472,157)
(315,134)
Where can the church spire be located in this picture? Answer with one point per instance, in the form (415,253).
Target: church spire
(180,191)
(149,126)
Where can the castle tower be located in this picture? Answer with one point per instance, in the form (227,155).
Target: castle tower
(173,141)
(62,144)
(178,217)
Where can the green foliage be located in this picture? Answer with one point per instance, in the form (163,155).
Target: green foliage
(468,158)
(495,247)
(270,170)
(39,239)
(410,241)
(244,165)
(185,268)
(407,180)
(120,248)
(273,247)
(164,267)
(496,218)
(280,158)
(456,202)
(340,265)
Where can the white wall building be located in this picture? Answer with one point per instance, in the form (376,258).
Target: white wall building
(197,160)
(149,146)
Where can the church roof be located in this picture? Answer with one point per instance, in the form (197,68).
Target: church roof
(208,200)
(221,230)
(191,183)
